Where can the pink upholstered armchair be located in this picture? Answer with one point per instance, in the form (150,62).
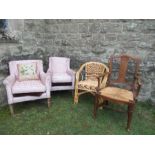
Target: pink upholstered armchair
(62,77)
(19,90)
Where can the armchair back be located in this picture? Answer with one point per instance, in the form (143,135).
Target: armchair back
(14,69)
(59,64)
(124,70)
(93,69)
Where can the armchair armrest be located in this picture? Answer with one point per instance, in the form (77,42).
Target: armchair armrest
(139,82)
(9,81)
(102,81)
(49,72)
(70,72)
(45,78)
(137,86)
(79,72)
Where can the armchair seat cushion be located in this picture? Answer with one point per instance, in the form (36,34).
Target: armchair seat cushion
(61,78)
(88,84)
(118,94)
(28,87)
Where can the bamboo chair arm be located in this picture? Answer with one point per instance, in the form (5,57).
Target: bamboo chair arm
(79,71)
(102,81)
(77,76)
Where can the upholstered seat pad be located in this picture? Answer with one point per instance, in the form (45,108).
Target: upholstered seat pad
(28,87)
(88,84)
(61,77)
(117,94)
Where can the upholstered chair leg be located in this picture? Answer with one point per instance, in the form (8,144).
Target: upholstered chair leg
(130,111)
(11,109)
(49,102)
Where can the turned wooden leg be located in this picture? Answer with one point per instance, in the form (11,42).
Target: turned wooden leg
(130,111)
(95,105)
(49,102)
(11,109)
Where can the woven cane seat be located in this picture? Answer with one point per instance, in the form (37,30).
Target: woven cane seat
(88,84)
(117,94)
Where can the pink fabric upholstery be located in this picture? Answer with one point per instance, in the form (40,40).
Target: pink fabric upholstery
(58,64)
(13,86)
(28,87)
(60,72)
(61,77)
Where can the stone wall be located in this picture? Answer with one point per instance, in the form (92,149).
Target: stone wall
(82,40)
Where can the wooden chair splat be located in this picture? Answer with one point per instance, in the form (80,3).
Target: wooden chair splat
(123,69)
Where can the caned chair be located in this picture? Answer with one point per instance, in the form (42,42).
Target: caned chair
(90,76)
(62,76)
(123,84)
(26,82)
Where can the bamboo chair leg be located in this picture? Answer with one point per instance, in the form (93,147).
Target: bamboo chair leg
(49,102)
(130,112)
(76,97)
(11,109)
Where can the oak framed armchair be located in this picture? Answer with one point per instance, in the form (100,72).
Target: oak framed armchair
(123,84)
(27,81)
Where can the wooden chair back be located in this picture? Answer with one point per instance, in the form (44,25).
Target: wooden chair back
(123,71)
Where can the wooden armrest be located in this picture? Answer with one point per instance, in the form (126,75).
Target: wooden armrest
(139,82)
(137,86)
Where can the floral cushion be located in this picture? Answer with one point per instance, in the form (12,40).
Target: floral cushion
(27,71)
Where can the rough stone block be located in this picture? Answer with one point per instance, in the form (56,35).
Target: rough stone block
(94,28)
(129,45)
(83,28)
(111,28)
(131,27)
(99,37)
(128,37)
(86,36)
(49,36)
(73,28)
(64,28)
(110,37)
(148,27)
(54,28)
